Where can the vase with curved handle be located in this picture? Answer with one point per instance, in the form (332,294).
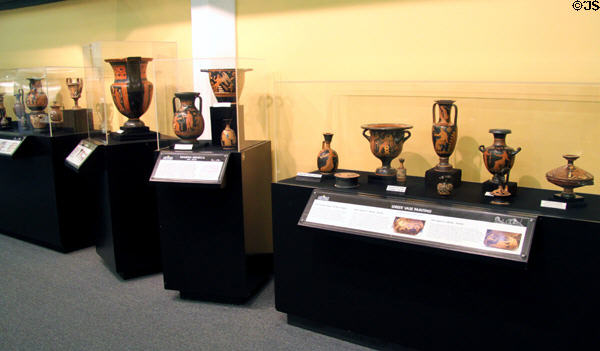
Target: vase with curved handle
(386,141)
(131,91)
(444,133)
(37,101)
(75,88)
(188,123)
(499,158)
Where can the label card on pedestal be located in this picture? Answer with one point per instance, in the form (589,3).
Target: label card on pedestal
(308,177)
(396,189)
(506,235)
(553,204)
(80,153)
(190,167)
(185,147)
(8,147)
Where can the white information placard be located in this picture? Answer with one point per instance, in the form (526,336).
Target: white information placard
(8,147)
(396,189)
(80,153)
(553,204)
(190,167)
(457,228)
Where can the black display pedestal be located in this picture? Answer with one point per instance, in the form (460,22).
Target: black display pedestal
(209,235)
(78,120)
(128,240)
(432,177)
(218,115)
(434,299)
(43,202)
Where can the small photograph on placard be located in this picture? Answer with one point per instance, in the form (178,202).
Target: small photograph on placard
(408,226)
(502,240)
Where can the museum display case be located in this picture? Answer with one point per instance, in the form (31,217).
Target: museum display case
(118,158)
(414,262)
(225,102)
(49,101)
(126,108)
(45,112)
(212,141)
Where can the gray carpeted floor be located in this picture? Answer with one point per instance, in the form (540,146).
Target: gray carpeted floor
(54,301)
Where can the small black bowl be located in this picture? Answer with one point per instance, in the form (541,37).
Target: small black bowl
(346,180)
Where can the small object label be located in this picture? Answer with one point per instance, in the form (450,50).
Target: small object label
(195,167)
(505,235)
(396,188)
(553,204)
(488,193)
(184,146)
(9,147)
(81,153)
(308,175)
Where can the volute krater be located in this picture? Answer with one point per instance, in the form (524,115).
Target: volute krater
(131,91)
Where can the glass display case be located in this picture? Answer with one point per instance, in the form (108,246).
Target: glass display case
(126,103)
(48,101)
(547,120)
(225,103)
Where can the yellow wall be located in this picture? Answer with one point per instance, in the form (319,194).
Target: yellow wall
(372,42)
(342,63)
(52,35)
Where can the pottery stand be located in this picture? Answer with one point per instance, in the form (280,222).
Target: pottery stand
(43,201)
(401,295)
(208,233)
(128,240)
(78,119)
(432,177)
(218,115)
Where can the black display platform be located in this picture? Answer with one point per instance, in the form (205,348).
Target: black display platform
(218,115)
(80,120)
(44,202)
(127,218)
(434,299)
(213,239)
(432,177)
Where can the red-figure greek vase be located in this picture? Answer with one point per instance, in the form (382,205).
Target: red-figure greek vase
(37,101)
(444,133)
(226,82)
(327,161)
(4,121)
(56,114)
(386,141)
(499,159)
(228,137)
(188,122)
(131,91)
(569,177)
(19,106)
(75,89)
